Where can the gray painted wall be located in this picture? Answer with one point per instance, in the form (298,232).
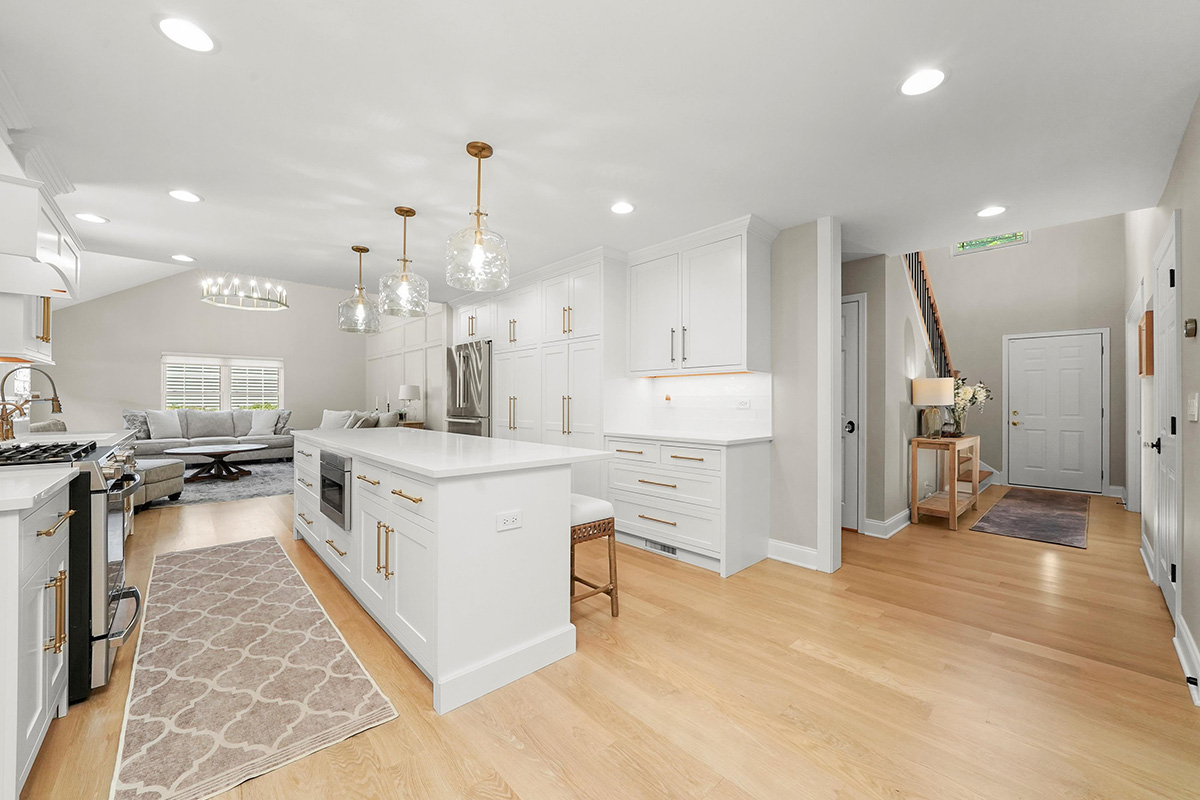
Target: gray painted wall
(1066,278)
(108,351)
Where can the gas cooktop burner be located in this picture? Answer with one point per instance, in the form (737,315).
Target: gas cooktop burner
(47,453)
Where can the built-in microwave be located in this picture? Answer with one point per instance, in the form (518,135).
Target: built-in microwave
(335,488)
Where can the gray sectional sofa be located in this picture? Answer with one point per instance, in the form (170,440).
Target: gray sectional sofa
(212,428)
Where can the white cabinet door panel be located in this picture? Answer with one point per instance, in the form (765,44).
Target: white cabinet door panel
(556,382)
(583,310)
(555,299)
(369,522)
(527,393)
(713,329)
(654,316)
(503,392)
(411,560)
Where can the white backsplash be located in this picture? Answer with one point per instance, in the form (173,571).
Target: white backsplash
(735,404)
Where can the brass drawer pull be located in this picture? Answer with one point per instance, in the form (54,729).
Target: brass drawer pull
(656,519)
(341,553)
(306,483)
(656,483)
(388,572)
(59,585)
(368,480)
(632,452)
(306,455)
(409,498)
(687,458)
(51,531)
(306,520)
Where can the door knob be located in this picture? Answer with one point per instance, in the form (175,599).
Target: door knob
(1015,423)
(1014,413)
(850,426)
(1156,445)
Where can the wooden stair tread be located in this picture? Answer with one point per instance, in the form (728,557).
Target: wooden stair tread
(983,474)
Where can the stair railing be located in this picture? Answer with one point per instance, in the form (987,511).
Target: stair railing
(935,334)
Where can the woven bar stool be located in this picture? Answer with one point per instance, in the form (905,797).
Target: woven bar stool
(592,518)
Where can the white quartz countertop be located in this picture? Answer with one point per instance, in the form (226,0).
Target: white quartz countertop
(101,438)
(435,454)
(22,488)
(711,437)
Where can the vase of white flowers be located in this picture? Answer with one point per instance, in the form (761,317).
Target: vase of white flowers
(965,396)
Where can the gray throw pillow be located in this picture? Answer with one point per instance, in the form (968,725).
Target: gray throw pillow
(136,421)
(201,424)
(388,419)
(356,419)
(284,416)
(242,419)
(164,424)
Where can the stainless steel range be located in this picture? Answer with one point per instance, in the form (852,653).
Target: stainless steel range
(102,609)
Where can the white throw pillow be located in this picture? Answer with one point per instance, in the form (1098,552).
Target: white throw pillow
(330,420)
(164,424)
(263,421)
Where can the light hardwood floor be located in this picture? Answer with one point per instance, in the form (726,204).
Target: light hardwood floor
(933,665)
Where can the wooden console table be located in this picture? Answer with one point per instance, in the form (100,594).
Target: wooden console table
(961,461)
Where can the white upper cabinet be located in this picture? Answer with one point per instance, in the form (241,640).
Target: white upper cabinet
(654,316)
(39,253)
(25,329)
(473,322)
(702,304)
(571,304)
(518,319)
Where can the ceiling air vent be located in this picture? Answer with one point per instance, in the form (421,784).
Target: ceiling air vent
(665,549)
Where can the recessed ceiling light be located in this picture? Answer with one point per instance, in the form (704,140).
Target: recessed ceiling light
(185,195)
(182,257)
(991,211)
(186,34)
(922,81)
(621,207)
(91,218)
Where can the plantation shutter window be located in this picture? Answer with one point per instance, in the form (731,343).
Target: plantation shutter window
(221,383)
(253,387)
(192,386)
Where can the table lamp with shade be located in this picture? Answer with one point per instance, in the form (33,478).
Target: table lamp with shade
(932,393)
(407,393)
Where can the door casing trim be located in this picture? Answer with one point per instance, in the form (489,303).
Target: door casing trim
(860,299)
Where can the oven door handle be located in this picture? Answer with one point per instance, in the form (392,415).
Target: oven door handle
(122,637)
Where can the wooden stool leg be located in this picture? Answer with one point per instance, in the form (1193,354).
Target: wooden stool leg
(572,569)
(612,572)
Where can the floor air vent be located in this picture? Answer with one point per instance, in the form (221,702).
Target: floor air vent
(665,549)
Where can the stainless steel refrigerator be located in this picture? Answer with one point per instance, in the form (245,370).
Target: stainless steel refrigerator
(469,388)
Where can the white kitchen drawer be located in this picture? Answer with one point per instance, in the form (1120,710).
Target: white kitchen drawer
(705,458)
(684,486)
(627,450)
(308,483)
(306,457)
(337,550)
(309,521)
(34,548)
(370,478)
(412,496)
(672,523)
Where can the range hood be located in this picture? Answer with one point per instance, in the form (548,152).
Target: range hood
(39,253)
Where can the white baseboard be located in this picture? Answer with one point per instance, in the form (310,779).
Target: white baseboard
(1189,656)
(887,529)
(1147,557)
(793,554)
(1115,491)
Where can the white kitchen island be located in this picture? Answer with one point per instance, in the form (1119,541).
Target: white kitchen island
(474,606)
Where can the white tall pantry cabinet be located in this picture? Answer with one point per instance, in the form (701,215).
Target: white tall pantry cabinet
(556,335)
(410,350)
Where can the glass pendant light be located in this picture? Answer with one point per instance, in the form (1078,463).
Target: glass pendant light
(357,314)
(404,293)
(477,258)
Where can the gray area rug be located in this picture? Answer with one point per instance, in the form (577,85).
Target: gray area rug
(266,479)
(238,672)
(1040,515)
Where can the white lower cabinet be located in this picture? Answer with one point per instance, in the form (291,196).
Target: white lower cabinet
(708,505)
(39,587)
(571,405)
(411,585)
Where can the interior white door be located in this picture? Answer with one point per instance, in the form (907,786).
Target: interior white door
(1056,424)
(850,420)
(712,329)
(654,316)
(1168,505)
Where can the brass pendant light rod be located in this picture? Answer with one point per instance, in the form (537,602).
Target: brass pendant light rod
(358,248)
(479,151)
(405,212)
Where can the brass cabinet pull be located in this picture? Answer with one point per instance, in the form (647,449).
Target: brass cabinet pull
(564,319)
(656,483)
(564,415)
(470,325)
(656,519)
(378,547)
(53,530)
(687,458)
(306,483)
(59,585)
(306,455)
(45,337)
(683,344)
(672,345)
(341,553)
(633,452)
(305,519)
(368,480)
(569,431)
(570,319)
(387,553)
(512,330)
(407,497)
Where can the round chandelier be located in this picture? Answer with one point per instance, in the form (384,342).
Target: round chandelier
(243,292)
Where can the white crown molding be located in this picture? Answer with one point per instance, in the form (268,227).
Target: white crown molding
(12,113)
(41,164)
(748,224)
(601,253)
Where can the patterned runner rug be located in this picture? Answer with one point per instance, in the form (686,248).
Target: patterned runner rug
(238,672)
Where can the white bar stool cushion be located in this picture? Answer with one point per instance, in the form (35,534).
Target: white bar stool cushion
(586,509)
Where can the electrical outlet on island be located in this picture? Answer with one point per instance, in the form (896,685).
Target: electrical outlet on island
(508,520)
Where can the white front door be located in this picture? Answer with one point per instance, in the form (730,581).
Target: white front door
(1056,405)
(850,420)
(1168,508)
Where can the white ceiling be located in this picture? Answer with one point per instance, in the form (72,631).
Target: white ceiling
(311,121)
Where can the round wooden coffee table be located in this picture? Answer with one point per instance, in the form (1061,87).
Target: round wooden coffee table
(218,468)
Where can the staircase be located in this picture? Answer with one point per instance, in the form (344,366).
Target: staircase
(935,338)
